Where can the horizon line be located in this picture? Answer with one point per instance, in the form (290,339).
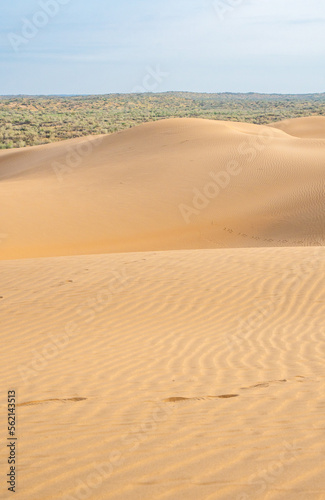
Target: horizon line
(166,92)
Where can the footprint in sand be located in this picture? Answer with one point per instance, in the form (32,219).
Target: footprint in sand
(178,399)
(264,384)
(30,403)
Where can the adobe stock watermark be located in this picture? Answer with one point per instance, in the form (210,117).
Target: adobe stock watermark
(75,155)
(130,442)
(151,81)
(225,7)
(57,343)
(221,180)
(268,476)
(31,27)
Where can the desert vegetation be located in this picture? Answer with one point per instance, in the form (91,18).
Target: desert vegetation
(32,120)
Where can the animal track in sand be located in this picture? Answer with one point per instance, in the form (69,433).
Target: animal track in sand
(30,403)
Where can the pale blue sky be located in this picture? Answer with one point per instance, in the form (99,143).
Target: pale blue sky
(100,46)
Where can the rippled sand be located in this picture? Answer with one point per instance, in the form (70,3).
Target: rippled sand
(167,360)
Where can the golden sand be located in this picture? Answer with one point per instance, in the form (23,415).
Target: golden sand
(156,357)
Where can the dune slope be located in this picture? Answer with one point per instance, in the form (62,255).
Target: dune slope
(172,184)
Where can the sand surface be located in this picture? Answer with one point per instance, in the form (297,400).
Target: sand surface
(155,358)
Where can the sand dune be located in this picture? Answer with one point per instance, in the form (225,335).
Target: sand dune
(170,342)
(173,184)
(312,127)
(129,360)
